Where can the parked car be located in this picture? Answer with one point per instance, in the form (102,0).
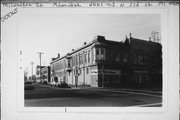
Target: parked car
(44,82)
(29,85)
(57,84)
(64,85)
(38,81)
(53,83)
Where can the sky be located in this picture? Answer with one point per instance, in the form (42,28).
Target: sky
(52,32)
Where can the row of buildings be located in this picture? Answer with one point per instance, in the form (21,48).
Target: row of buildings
(106,63)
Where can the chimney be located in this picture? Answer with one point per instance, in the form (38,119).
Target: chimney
(99,38)
(149,38)
(58,55)
(130,35)
(84,43)
(72,49)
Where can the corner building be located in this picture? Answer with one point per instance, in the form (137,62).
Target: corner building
(106,63)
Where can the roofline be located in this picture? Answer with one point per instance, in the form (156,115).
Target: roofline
(78,49)
(95,40)
(145,40)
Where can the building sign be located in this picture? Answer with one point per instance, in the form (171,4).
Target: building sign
(111,72)
(106,72)
(94,72)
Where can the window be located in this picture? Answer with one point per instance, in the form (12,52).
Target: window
(140,59)
(85,58)
(102,54)
(125,59)
(93,54)
(76,60)
(145,59)
(110,56)
(97,54)
(117,59)
(73,61)
(97,51)
(69,63)
(135,59)
(81,58)
(89,56)
(102,51)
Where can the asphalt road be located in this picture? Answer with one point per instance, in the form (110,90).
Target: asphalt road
(48,96)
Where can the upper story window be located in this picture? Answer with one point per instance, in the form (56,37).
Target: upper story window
(80,59)
(100,53)
(97,54)
(110,56)
(97,51)
(69,64)
(85,58)
(118,57)
(145,59)
(88,56)
(125,58)
(72,61)
(76,60)
(140,59)
(135,59)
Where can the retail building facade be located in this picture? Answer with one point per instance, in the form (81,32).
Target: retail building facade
(107,63)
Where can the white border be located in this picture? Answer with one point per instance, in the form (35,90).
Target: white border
(12,107)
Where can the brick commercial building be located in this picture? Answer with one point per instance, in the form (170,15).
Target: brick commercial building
(105,63)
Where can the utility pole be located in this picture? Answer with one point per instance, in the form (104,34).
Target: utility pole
(40,53)
(32,63)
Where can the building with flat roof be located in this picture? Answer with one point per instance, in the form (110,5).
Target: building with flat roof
(106,63)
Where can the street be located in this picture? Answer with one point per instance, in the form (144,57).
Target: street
(48,96)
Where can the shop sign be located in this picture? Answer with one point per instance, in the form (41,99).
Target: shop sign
(94,72)
(112,72)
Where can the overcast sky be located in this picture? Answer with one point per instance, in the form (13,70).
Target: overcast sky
(53,33)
